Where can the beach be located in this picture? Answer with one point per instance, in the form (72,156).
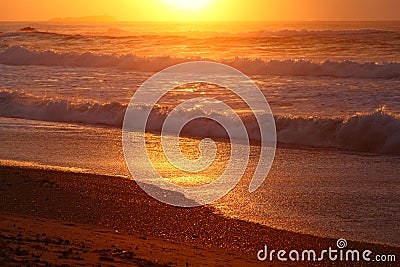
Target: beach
(43,242)
(77,218)
(70,196)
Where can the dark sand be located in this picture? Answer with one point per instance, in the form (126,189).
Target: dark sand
(110,221)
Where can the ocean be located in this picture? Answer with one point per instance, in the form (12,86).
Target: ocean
(333,87)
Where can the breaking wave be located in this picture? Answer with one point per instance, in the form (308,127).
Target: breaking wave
(21,105)
(376,132)
(17,55)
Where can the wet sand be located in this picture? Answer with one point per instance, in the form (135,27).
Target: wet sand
(111,221)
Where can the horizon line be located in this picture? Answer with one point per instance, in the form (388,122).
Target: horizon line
(183,21)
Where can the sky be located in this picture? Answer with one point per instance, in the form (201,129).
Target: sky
(206,10)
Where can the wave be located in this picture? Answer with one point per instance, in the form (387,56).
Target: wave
(304,32)
(32,32)
(17,55)
(376,132)
(118,32)
(26,106)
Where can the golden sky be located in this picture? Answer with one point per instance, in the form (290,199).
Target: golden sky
(220,10)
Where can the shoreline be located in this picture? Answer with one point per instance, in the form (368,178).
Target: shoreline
(120,205)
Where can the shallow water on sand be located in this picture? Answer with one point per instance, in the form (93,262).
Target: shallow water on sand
(322,192)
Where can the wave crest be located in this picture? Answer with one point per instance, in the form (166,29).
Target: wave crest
(21,105)
(17,55)
(377,131)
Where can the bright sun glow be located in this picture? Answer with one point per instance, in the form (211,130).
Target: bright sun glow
(190,5)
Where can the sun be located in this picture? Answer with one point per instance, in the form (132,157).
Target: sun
(188,5)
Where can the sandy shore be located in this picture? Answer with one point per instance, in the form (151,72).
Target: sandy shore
(37,241)
(56,217)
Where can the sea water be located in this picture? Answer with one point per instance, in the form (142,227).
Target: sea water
(334,90)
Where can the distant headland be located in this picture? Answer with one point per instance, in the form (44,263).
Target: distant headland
(85,19)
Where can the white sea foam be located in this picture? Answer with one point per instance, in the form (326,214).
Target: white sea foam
(377,131)
(17,55)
